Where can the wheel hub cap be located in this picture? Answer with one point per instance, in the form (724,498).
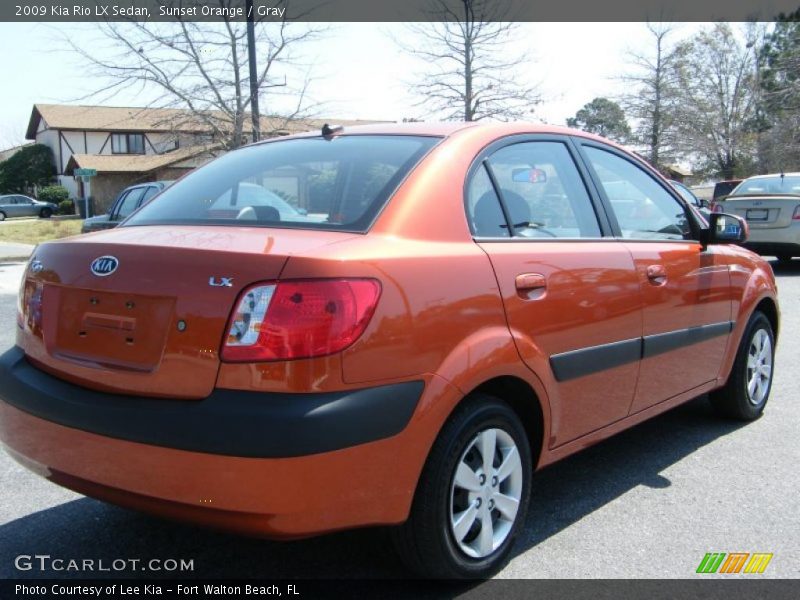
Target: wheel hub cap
(759,367)
(485,493)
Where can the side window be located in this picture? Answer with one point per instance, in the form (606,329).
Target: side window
(128,204)
(149,193)
(643,208)
(543,192)
(483,206)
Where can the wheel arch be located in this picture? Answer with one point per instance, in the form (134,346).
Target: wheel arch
(770,309)
(524,401)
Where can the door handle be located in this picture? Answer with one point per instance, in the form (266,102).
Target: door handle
(657,274)
(528,282)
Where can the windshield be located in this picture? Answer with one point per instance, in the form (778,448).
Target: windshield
(788,184)
(339,184)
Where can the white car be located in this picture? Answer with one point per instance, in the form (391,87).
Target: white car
(250,200)
(771,206)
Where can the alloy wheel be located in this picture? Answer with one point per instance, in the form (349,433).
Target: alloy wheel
(485,493)
(759,367)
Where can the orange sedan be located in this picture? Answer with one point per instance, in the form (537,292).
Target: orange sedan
(440,311)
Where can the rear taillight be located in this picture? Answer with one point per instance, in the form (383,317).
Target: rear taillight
(716,207)
(31,310)
(796,215)
(299,319)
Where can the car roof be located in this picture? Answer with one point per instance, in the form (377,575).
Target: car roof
(770,175)
(491,129)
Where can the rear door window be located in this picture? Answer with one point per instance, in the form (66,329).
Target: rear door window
(128,204)
(542,191)
(149,193)
(483,205)
(312,183)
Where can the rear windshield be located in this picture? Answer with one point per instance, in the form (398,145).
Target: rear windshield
(339,184)
(787,184)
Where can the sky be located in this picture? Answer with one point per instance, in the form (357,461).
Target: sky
(358,71)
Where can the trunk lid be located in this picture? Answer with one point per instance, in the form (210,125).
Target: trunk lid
(154,324)
(763,211)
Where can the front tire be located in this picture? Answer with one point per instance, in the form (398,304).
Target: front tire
(746,393)
(472,496)
(46,213)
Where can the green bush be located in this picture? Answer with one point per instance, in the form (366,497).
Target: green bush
(53,193)
(32,166)
(66,207)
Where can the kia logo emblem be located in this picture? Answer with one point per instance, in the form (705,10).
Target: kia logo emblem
(104,265)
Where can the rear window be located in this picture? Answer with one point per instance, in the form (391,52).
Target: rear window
(787,184)
(339,184)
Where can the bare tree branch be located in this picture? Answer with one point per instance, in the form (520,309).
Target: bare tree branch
(469,75)
(202,69)
(653,79)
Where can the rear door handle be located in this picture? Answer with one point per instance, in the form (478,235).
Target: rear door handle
(529,282)
(657,274)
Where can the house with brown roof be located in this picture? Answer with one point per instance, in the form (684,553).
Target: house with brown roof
(128,145)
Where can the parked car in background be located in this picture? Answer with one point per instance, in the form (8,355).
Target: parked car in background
(771,206)
(254,202)
(17,205)
(691,198)
(479,301)
(128,201)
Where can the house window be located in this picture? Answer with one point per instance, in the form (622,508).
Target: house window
(127,143)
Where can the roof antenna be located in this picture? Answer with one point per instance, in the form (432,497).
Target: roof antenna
(328,131)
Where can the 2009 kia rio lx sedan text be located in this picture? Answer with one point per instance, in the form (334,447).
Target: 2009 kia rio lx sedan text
(451,308)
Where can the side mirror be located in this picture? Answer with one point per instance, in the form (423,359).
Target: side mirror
(726,229)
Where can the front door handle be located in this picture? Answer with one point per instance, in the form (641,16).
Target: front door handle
(530,285)
(657,274)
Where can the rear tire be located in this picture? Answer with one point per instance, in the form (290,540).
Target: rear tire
(46,213)
(746,393)
(464,521)
(2,216)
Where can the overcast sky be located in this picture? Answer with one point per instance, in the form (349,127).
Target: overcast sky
(359,71)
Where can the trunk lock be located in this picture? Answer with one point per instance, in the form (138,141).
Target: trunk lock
(181,325)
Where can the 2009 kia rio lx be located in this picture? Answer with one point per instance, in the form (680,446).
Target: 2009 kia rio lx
(445,309)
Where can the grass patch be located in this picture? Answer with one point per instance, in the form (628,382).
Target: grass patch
(42,230)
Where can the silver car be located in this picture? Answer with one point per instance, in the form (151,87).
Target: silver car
(17,205)
(771,205)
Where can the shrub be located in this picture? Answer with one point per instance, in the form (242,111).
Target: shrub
(32,166)
(66,207)
(54,193)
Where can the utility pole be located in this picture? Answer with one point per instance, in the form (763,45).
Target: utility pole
(251,56)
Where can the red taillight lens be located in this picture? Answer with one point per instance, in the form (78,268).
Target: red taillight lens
(796,215)
(716,207)
(31,309)
(299,319)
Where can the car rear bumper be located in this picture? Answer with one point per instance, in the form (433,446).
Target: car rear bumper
(278,465)
(228,422)
(777,240)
